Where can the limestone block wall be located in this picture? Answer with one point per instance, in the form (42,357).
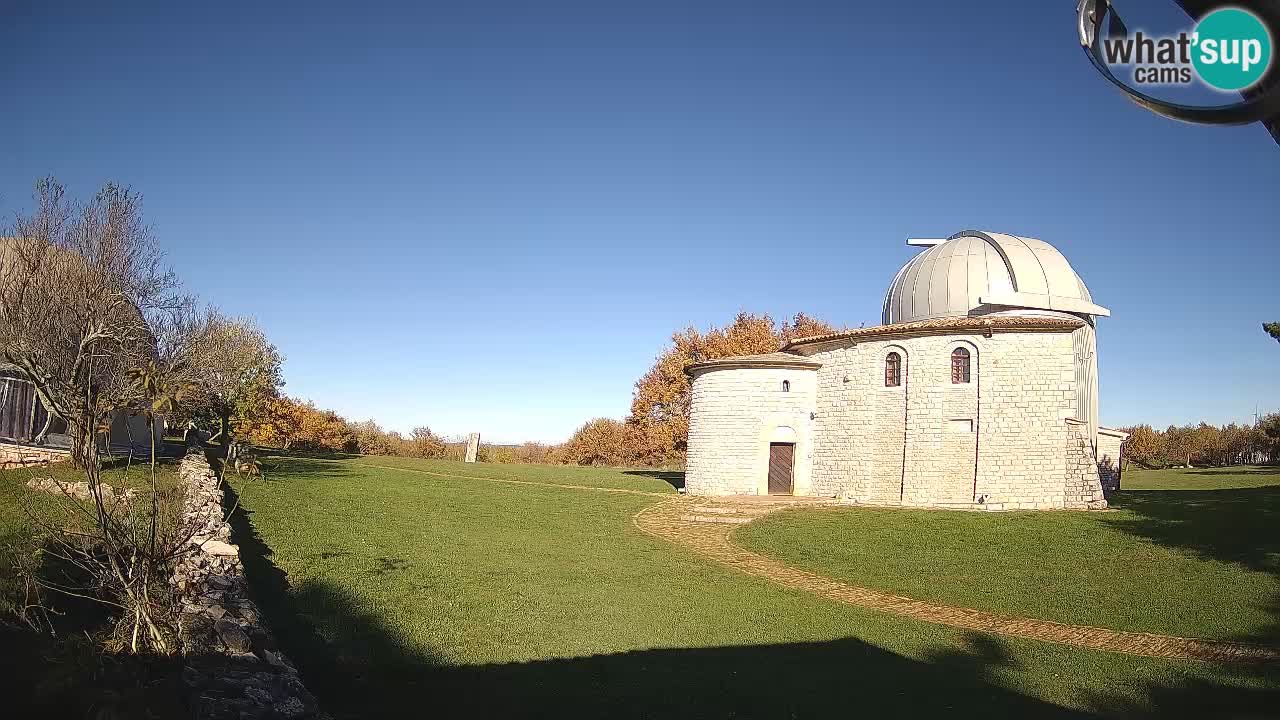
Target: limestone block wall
(1110,448)
(998,438)
(734,414)
(942,424)
(1028,391)
(1082,489)
(857,435)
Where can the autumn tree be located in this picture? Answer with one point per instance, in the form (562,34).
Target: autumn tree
(93,320)
(371,439)
(1272,329)
(80,287)
(239,372)
(660,405)
(423,443)
(602,441)
(1144,446)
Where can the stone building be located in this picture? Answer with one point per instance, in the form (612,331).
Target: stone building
(979,390)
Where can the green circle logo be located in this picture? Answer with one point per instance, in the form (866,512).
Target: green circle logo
(1232,49)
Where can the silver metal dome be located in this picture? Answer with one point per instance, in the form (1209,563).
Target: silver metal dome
(980,273)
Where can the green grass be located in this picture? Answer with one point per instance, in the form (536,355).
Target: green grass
(67,674)
(1186,552)
(23,510)
(402,593)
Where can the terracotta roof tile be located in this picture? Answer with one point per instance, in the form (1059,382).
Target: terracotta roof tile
(934,326)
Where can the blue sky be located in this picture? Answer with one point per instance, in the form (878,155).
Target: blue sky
(491,216)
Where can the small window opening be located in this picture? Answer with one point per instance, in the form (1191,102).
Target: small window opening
(893,370)
(786,386)
(959,366)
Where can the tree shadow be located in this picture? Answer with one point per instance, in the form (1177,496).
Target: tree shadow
(674,478)
(277,466)
(1259,470)
(70,676)
(1239,526)
(359,666)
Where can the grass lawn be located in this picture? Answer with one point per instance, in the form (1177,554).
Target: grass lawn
(21,506)
(403,593)
(1186,552)
(68,675)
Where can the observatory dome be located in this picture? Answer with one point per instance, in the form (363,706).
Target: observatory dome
(981,273)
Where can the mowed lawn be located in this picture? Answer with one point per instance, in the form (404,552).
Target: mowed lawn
(403,589)
(1185,552)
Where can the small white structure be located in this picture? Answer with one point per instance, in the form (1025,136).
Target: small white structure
(980,390)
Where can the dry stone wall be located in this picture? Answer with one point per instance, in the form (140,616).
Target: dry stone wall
(234,669)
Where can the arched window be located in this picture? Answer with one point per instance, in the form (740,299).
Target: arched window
(959,366)
(786,386)
(893,370)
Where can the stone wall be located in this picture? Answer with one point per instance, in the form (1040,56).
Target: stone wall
(14,456)
(995,441)
(1082,489)
(233,667)
(734,414)
(1110,449)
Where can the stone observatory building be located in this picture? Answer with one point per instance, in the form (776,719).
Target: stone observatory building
(979,390)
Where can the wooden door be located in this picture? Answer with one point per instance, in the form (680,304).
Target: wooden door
(781,461)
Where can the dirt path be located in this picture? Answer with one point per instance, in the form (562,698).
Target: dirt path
(705,526)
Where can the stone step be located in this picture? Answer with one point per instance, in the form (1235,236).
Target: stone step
(725,510)
(723,519)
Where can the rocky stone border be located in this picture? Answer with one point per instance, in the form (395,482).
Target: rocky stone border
(233,667)
(76,490)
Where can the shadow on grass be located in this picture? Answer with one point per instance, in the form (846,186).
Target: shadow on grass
(64,671)
(674,478)
(277,466)
(359,667)
(1238,526)
(1219,472)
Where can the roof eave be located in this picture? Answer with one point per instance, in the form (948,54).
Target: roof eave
(942,326)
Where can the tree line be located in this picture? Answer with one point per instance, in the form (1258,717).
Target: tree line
(1204,445)
(252,407)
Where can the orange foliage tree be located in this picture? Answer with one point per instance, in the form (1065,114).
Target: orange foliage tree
(599,442)
(291,424)
(660,408)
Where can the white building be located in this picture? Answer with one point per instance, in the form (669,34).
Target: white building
(980,390)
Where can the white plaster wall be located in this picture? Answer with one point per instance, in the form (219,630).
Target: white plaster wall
(734,414)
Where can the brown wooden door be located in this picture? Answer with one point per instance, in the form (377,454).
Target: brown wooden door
(781,459)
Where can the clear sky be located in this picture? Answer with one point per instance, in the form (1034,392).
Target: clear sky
(491,216)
